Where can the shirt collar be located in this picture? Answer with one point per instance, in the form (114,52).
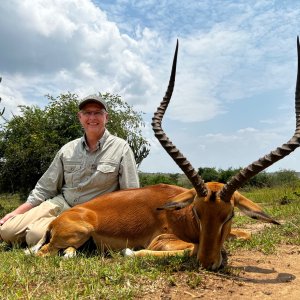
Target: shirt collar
(100,142)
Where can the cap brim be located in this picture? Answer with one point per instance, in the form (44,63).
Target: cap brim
(83,103)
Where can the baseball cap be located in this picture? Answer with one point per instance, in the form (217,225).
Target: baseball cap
(92,98)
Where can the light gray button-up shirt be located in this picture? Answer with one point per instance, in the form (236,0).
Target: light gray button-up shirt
(80,175)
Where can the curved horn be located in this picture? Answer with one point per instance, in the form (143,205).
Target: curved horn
(181,161)
(245,174)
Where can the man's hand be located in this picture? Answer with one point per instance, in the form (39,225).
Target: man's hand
(20,210)
(7,217)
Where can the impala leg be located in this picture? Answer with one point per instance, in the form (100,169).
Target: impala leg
(38,246)
(238,234)
(67,238)
(47,250)
(165,245)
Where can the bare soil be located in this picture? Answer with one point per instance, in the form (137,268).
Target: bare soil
(256,276)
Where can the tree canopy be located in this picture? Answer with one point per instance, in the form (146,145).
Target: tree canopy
(29,141)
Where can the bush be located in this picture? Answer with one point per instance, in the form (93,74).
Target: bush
(284,178)
(150,179)
(209,174)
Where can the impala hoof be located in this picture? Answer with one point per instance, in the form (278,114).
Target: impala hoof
(32,250)
(70,252)
(128,252)
(27,252)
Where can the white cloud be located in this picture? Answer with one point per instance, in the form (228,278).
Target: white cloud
(71,45)
(247,130)
(48,18)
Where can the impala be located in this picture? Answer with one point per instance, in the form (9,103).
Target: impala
(164,219)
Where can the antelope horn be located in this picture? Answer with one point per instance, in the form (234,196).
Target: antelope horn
(256,167)
(181,161)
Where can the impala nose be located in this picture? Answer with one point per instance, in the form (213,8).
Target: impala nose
(212,264)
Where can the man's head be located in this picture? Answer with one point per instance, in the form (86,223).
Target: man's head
(92,99)
(93,115)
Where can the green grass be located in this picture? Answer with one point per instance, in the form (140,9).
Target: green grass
(90,276)
(8,203)
(283,204)
(82,277)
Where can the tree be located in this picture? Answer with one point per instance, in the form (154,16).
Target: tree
(209,174)
(150,179)
(225,175)
(220,175)
(284,178)
(260,180)
(29,141)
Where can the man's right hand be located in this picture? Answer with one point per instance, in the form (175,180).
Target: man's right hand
(7,217)
(20,210)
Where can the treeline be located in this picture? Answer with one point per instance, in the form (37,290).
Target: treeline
(167,178)
(263,179)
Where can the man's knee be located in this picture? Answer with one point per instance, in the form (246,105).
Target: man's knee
(36,230)
(33,236)
(31,225)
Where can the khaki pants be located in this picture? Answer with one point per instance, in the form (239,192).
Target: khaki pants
(31,226)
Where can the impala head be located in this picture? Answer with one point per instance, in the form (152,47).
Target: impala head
(213,203)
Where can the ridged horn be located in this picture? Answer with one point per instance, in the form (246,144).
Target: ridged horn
(177,156)
(256,167)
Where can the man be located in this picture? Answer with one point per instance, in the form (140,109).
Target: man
(82,169)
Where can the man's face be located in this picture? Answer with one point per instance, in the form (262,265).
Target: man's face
(93,118)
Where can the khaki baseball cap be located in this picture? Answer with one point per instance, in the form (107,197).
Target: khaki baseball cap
(92,98)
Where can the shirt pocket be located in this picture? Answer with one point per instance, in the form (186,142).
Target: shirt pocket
(72,174)
(106,175)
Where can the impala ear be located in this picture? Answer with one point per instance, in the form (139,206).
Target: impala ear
(251,209)
(180,201)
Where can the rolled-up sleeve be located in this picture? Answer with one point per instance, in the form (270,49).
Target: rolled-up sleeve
(128,176)
(50,184)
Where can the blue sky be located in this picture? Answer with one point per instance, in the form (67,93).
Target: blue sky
(234,95)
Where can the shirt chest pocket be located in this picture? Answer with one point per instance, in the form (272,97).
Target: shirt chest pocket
(106,175)
(72,174)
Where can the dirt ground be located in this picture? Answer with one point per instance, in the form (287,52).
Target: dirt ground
(258,276)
